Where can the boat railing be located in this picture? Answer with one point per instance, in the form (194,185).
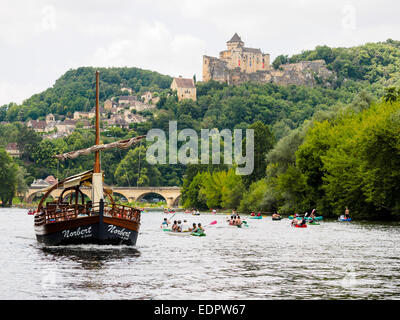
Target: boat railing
(54,212)
(122,212)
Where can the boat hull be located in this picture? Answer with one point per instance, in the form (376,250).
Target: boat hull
(88,230)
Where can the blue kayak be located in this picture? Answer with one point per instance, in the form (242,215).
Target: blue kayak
(342,218)
(255,217)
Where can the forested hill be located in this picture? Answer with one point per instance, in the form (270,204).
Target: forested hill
(370,67)
(75,91)
(372,62)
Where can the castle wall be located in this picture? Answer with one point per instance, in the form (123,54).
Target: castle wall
(301,73)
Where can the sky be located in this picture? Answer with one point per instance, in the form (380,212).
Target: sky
(42,39)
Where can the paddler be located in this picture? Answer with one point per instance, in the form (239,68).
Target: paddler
(347,213)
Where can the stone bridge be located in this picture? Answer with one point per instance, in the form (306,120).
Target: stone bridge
(170,194)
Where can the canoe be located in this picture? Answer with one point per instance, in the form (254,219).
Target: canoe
(198,234)
(255,217)
(183,233)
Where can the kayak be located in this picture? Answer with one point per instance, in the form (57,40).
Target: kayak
(315,218)
(256,217)
(298,226)
(307,218)
(314,223)
(342,218)
(277,219)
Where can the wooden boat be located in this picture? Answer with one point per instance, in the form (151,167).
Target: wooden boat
(98,221)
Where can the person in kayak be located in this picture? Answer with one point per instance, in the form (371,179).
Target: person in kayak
(194,228)
(238,221)
(199,228)
(174,226)
(302,222)
(347,213)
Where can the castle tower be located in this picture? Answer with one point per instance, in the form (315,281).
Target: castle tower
(235,42)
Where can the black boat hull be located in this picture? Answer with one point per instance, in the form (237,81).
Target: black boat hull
(112,231)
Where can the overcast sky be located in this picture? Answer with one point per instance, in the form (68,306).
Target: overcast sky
(41,39)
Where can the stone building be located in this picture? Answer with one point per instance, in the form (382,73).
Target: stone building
(185,88)
(37,125)
(239,64)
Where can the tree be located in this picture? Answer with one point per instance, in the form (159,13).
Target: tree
(8,178)
(264,141)
(134,170)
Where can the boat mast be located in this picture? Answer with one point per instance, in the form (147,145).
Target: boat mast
(97,153)
(97,178)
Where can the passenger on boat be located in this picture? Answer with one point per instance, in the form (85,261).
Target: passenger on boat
(164,224)
(174,226)
(193,228)
(185,225)
(276,216)
(302,222)
(252,214)
(179,228)
(238,221)
(199,227)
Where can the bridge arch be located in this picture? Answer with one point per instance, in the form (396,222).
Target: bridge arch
(144,194)
(176,201)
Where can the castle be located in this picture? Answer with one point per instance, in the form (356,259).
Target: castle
(239,64)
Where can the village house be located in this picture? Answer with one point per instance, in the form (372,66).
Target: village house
(109,104)
(66,127)
(40,183)
(149,98)
(37,125)
(80,115)
(185,88)
(51,180)
(127,100)
(12,149)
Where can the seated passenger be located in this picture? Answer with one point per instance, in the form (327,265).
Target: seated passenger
(164,224)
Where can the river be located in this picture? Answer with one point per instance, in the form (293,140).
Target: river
(267,260)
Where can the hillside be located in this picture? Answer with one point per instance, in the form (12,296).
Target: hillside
(75,91)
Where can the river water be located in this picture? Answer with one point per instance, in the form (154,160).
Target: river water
(267,260)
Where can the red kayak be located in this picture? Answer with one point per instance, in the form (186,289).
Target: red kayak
(299,226)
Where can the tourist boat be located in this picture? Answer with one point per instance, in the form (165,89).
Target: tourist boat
(98,221)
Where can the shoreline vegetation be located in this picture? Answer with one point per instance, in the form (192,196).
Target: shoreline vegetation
(326,147)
